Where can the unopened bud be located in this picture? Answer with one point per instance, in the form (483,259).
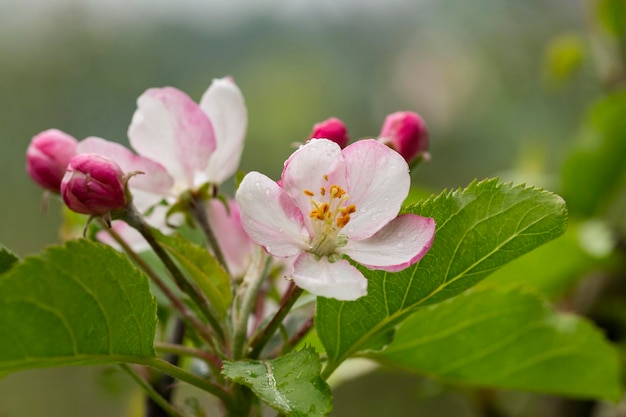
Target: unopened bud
(94,185)
(331,129)
(406,133)
(47,157)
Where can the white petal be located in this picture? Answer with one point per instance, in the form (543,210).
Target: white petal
(338,280)
(269,216)
(378,183)
(308,168)
(225,106)
(173,130)
(147,188)
(398,245)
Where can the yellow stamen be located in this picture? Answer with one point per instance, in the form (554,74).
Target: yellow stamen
(348,210)
(343,220)
(323,191)
(336,191)
(308,193)
(325,177)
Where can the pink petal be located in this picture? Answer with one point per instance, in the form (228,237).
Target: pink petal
(269,216)
(308,168)
(225,106)
(232,238)
(173,130)
(378,183)
(338,280)
(155,182)
(398,245)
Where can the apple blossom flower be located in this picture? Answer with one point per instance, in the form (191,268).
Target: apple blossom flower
(406,133)
(94,185)
(197,144)
(331,203)
(332,129)
(47,157)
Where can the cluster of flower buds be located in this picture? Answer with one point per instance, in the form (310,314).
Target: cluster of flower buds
(405,132)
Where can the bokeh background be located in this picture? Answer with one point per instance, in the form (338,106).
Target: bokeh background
(501,84)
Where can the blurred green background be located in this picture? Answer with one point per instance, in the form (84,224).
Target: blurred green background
(501,84)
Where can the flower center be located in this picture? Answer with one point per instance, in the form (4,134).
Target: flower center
(330,212)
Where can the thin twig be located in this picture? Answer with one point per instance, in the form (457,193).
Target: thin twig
(192,379)
(152,393)
(198,210)
(260,340)
(183,350)
(251,283)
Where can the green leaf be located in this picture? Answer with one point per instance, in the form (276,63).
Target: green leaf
(595,171)
(203,268)
(291,384)
(7,259)
(81,304)
(507,338)
(612,16)
(478,230)
(553,269)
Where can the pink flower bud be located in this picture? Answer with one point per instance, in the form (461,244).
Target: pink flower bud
(406,133)
(93,185)
(47,157)
(331,129)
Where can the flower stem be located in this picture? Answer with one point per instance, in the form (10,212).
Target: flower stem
(198,210)
(183,350)
(165,383)
(204,384)
(187,315)
(260,340)
(251,283)
(134,219)
(152,393)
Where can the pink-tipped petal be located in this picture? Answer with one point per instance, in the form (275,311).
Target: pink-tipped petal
(269,216)
(398,245)
(155,182)
(338,279)
(308,168)
(378,182)
(172,129)
(224,105)
(231,237)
